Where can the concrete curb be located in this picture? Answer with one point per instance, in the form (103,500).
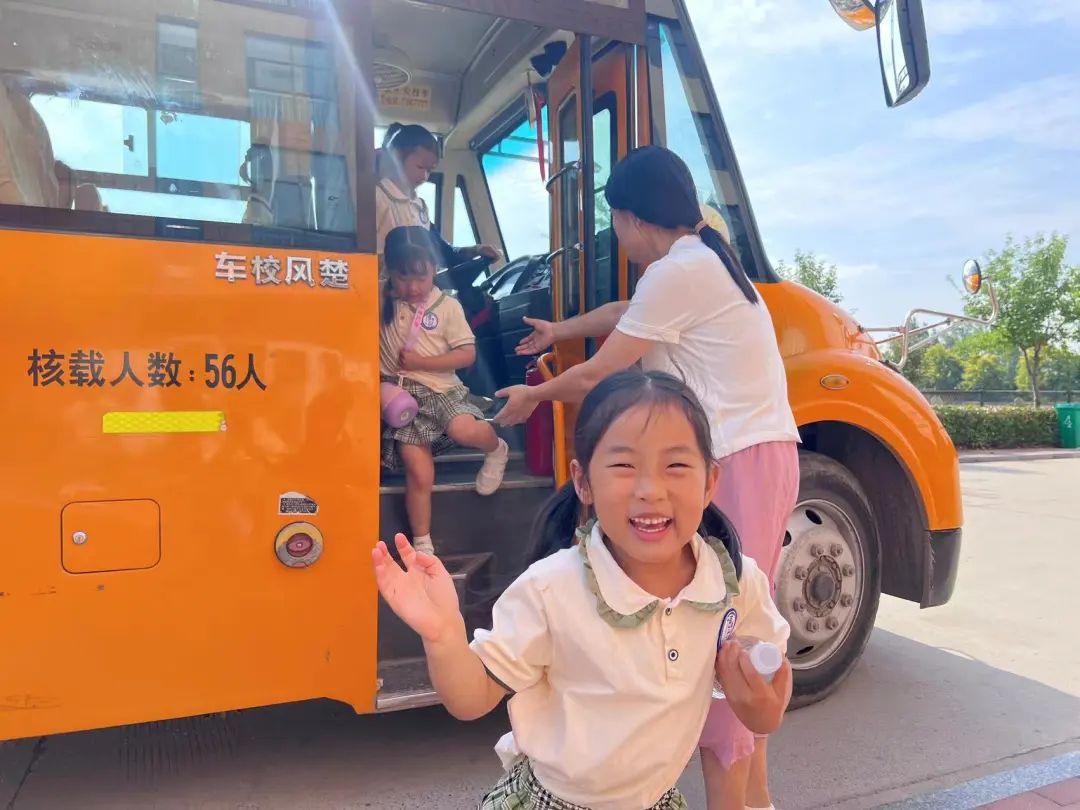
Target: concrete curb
(995,787)
(986,457)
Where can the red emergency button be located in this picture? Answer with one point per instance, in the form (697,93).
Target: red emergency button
(298,545)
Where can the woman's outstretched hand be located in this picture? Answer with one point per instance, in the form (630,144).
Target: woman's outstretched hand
(539,339)
(518,408)
(422,595)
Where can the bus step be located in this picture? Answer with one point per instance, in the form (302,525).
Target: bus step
(458,475)
(404,684)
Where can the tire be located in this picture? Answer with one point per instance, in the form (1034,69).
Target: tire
(828,580)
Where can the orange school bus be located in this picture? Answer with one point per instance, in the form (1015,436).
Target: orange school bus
(189,349)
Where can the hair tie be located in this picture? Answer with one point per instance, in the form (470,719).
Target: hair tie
(700,227)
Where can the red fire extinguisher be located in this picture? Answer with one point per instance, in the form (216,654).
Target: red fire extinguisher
(539,432)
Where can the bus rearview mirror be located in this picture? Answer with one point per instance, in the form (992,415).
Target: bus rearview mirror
(902,49)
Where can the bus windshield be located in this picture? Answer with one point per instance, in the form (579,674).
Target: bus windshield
(210,113)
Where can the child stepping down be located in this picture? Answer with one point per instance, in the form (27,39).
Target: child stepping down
(424,339)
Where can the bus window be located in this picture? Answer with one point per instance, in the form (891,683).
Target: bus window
(569,217)
(512,171)
(605,156)
(465,231)
(225,117)
(684,123)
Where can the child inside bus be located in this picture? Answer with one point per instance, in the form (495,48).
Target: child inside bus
(608,642)
(409,154)
(424,339)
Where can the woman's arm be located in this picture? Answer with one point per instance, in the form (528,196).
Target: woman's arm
(618,352)
(598,322)
(452,256)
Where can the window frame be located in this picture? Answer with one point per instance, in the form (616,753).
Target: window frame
(460,185)
(99,223)
(718,149)
(608,102)
(501,126)
(571,280)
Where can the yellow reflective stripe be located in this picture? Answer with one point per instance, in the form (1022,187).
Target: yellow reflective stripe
(163,422)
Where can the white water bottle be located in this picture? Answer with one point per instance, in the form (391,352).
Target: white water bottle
(765,657)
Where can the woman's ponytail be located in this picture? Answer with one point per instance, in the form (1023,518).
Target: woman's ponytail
(392,132)
(656,186)
(715,242)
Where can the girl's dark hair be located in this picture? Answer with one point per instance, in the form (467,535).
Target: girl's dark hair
(407,138)
(559,518)
(655,185)
(409,251)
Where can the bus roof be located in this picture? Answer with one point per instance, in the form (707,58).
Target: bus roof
(623,20)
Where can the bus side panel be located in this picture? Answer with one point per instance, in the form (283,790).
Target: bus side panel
(817,338)
(877,400)
(120,626)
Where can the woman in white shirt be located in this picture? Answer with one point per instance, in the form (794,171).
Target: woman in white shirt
(696,315)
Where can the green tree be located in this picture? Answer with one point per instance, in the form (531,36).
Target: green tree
(985,371)
(989,362)
(1059,371)
(940,369)
(1040,300)
(810,271)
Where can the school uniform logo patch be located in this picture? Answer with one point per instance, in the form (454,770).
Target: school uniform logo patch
(430,321)
(727,626)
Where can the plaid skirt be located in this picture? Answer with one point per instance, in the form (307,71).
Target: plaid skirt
(428,429)
(519,789)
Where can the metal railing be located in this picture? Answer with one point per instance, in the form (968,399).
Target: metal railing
(998,397)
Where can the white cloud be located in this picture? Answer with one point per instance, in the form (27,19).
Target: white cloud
(767,26)
(850,271)
(784,26)
(957,17)
(959,57)
(1043,113)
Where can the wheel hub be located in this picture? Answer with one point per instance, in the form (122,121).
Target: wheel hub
(819,581)
(823,585)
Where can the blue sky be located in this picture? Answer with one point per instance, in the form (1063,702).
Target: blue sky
(898,199)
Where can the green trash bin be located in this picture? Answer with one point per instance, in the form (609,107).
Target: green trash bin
(1069,424)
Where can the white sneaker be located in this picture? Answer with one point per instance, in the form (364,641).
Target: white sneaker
(424,545)
(490,477)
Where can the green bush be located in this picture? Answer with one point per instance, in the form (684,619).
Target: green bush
(979,428)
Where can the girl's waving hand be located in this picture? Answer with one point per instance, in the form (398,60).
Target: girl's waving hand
(422,595)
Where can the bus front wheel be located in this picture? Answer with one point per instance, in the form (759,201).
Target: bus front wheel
(828,580)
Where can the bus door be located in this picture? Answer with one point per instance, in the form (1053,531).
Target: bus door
(589,132)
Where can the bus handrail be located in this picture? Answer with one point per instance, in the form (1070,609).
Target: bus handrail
(546,365)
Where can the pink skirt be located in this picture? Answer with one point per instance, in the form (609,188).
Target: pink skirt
(757,490)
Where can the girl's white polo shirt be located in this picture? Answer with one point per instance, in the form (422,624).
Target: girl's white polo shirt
(612,684)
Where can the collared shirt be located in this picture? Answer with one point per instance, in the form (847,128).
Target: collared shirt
(395,208)
(443,329)
(706,333)
(612,684)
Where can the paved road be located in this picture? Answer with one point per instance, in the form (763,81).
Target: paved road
(990,681)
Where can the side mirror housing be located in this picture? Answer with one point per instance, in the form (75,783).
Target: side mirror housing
(973,277)
(902,49)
